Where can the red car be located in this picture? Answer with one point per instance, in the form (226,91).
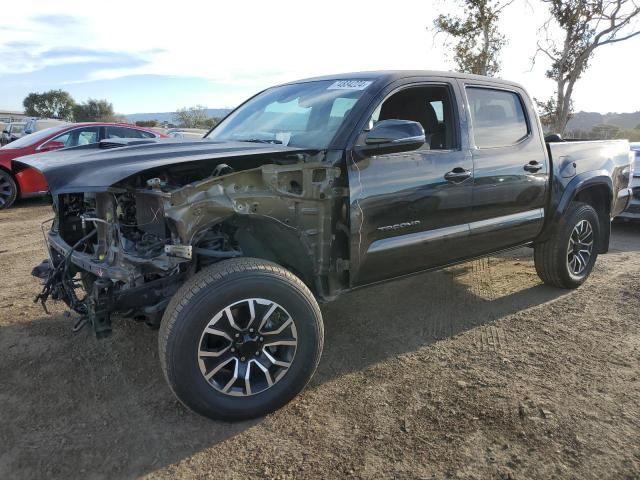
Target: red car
(28,182)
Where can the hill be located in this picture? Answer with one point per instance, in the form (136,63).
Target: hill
(169,116)
(585,121)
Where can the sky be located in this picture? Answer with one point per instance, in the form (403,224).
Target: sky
(148,57)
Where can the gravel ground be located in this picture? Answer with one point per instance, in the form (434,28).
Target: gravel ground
(478,371)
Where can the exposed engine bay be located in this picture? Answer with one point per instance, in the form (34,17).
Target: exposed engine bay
(128,248)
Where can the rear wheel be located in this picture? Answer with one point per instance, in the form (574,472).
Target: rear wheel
(240,339)
(8,190)
(566,259)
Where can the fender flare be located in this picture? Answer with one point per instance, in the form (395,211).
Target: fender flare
(581,182)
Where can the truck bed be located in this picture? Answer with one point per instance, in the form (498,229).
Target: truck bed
(574,161)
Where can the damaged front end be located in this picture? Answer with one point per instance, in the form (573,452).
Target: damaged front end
(127,248)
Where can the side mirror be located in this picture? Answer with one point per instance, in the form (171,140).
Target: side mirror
(52,145)
(392,136)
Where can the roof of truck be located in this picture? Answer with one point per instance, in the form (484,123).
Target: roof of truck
(393,75)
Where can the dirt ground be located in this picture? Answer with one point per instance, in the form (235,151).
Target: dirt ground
(478,371)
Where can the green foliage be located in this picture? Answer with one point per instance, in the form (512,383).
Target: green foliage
(475,36)
(52,104)
(547,111)
(94,111)
(606,131)
(147,123)
(211,122)
(194,117)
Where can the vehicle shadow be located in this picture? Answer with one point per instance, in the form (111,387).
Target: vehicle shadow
(75,407)
(31,202)
(625,236)
(368,326)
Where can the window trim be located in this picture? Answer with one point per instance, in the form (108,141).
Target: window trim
(422,83)
(472,137)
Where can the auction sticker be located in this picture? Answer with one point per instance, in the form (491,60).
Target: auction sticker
(349,85)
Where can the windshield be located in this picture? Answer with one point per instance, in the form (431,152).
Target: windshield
(305,115)
(33,138)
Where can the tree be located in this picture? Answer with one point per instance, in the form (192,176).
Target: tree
(476,38)
(52,104)
(605,131)
(211,122)
(193,117)
(147,123)
(94,111)
(586,26)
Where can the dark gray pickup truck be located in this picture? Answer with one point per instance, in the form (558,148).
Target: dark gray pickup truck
(306,191)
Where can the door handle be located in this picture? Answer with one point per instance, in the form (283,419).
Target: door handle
(533,166)
(458,174)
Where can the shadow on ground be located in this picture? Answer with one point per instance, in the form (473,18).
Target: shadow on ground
(101,409)
(31,202)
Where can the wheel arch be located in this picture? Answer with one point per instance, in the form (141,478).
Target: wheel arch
(272,240)
(594,189)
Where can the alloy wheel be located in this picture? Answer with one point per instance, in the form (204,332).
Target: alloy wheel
(247,347)
(6,190)
(580,247)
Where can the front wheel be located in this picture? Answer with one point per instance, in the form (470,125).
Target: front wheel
(8,190)
(240,339)
(566,259)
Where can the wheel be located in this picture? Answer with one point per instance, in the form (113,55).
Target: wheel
(8,190)
(567,258)
(240,339)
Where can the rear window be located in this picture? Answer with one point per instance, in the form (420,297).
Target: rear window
(124,132)
(497,117)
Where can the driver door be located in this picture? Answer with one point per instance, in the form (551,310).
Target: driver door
(410,211)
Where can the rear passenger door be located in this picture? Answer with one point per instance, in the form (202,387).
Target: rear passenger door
(510,167)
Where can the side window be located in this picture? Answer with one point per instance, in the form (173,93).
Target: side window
(429,105)
(85,137)
(79,136)
(133,133)
(64,138)
(497,116)
(438,108)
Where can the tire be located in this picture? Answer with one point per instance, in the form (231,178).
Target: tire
(8,190)
(555,259)
(215,307)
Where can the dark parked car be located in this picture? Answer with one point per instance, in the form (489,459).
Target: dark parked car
(306,191)
(27,182)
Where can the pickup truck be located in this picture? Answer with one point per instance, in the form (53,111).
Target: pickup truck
(304,192)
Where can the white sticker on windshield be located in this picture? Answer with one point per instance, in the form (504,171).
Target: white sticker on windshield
(349,85)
